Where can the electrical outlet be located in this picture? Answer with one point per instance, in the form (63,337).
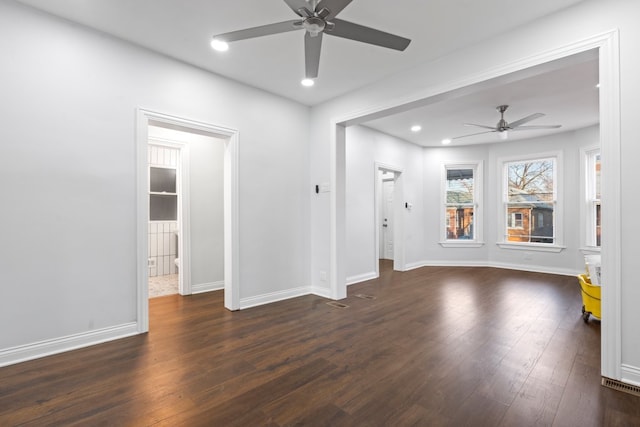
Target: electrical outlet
(323,275)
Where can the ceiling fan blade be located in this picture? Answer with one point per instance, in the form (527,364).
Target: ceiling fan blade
(297,6)
(473,134)
(349,30)
(334,6)
(480,126)
(263,30)
(312,47)
(537,127)
(525,120)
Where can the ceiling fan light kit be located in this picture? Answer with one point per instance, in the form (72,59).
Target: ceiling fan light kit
(503,127)
(316,17)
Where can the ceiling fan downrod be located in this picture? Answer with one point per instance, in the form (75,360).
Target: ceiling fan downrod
(502,125)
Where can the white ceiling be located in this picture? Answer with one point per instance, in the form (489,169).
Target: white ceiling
(183,29)
(565,91)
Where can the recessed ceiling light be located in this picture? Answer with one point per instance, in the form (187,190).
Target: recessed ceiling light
(307,82)
(446,141)
(416,128)
(219,45)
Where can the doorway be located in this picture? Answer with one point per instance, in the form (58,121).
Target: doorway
(388,217)
(606,45)
(147,120)
(165,215)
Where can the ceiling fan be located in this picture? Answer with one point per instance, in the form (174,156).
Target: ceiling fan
(502,127)
(317,17)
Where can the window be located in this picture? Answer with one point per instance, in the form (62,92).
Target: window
(593,198)
(461,200)
(163,196)
(530,202)
(515,220)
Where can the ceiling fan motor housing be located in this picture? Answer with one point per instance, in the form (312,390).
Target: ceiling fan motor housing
(502,125)
(314,25)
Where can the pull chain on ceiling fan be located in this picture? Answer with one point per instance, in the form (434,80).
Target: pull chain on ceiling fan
(318,18)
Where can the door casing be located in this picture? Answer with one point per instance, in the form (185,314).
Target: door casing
(231,235)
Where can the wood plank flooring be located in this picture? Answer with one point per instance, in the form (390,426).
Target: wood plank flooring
(437,346)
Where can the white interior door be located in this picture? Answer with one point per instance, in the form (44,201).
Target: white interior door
(387,219)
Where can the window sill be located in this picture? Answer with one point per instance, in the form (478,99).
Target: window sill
(461,244)
(539,247)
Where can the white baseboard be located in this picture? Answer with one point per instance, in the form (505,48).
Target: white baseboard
(630,374)
(361,278)
(455,264)
(506,266)
(321,292)
(40,349)
(207,287)
(414,265)
(535,268)
(273,297)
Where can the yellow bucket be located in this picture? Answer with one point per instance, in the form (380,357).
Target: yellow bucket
(590,298)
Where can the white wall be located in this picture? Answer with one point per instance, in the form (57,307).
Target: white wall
(572,25)
(365,147)
(206,168)
(69,100)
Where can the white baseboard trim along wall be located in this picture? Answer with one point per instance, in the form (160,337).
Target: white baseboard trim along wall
(630,374)
(273,297)
(321,292)
(522,267)
(39,349)
(207,287)
(361,278)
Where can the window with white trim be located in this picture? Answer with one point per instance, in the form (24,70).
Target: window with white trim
(462,189)
(530,201)
(593,232)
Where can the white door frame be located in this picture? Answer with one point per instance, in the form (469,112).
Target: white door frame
(231,235)
(607,44)
(398,216)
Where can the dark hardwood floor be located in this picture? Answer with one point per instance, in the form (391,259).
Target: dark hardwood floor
(437,346)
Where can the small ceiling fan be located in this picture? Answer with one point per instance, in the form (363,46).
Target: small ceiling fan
(503,126)
(317,17)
